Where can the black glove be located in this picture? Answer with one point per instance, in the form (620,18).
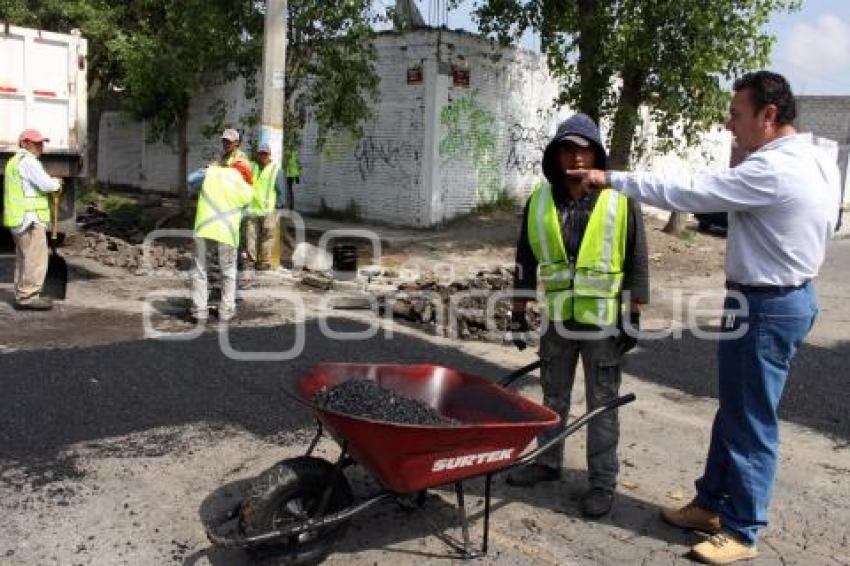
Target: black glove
(519,330)
(627,341)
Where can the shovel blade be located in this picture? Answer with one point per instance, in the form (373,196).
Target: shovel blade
(56,280)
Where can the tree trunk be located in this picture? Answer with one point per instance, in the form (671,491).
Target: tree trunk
(626,120)
(592,76)
(676,223)
(183,154)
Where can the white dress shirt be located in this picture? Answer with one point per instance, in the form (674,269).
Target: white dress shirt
(34,179)
(782,200)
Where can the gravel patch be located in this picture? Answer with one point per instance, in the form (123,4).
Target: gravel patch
(364,398)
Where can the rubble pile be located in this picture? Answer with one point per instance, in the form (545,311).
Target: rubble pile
(120,244)
(459,308)
(365,398)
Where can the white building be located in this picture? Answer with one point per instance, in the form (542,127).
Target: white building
(458,122)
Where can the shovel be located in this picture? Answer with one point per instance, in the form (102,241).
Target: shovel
(56,281)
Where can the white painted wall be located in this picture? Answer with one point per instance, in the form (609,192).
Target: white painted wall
(432,151)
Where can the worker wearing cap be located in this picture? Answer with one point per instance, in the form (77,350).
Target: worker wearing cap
(590,250)
(225,192)
(261,220)
(231,152)
(26,212)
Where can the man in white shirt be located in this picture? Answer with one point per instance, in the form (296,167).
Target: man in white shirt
(782,202)
(26,212)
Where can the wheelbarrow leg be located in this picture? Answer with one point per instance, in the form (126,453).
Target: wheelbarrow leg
(316,438)
(484,544)
(468,552)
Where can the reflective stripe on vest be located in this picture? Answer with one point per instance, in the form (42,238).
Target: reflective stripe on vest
(215,219)
(16,204)
(588,291)
(264,190)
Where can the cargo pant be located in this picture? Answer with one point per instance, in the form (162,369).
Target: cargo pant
(259,239)
(224,257)
(30,262)
(601,359)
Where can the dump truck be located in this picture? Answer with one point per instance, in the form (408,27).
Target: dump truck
(43,86)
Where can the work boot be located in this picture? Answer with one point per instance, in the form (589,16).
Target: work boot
(597,502)
(692,516)
(533,474)
(34,304)
(723,548)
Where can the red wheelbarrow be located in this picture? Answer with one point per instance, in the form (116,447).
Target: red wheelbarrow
(297,509)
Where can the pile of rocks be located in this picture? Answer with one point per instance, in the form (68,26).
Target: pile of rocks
(92,219)
(365,398)
(459,308)
(116,252)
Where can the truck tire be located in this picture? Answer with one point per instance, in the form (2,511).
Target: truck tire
(290,492)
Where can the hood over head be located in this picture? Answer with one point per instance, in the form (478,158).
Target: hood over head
(576,128)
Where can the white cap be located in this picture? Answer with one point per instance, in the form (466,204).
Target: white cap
(230,135)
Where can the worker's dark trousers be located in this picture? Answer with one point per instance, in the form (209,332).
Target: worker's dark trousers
(602,376)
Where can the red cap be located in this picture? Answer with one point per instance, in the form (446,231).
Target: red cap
(244,170)
(33,136)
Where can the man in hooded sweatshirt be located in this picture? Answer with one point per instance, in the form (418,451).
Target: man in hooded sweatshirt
(590,250)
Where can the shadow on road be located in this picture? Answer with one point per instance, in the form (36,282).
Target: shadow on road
(816,393)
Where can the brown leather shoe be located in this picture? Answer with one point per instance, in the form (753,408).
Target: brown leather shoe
(723,548)
(692,516)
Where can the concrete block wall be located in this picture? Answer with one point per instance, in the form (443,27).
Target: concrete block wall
(127,156)
(829,117)
(382,173)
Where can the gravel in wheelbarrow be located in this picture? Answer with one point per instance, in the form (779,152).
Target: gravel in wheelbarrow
(364,398)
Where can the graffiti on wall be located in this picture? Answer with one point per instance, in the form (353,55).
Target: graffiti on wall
(394,154)
(525,148)
(469,133)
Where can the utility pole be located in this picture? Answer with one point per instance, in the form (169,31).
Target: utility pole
(274,72)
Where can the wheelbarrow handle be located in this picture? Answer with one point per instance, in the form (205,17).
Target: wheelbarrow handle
(509,379)
(530,457)
(54,216)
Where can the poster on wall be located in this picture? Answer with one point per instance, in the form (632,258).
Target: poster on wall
(460,76)
(414,75)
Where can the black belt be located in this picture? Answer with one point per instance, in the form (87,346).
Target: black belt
(775,289)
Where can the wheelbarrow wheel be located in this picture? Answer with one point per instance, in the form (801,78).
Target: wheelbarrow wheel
(289,493)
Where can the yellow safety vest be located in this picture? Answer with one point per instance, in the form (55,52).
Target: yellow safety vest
(587,291)
(293,168)
(15,202)
(264,190)
(223,196)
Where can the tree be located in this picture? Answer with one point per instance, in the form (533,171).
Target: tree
(330,70)
(180,48)
(613,57)
(159,53)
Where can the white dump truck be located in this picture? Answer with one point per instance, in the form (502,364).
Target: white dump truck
(43,86)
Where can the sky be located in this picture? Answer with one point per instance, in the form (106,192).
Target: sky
(812,46)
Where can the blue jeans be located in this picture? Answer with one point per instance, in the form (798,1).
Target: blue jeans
(741,465)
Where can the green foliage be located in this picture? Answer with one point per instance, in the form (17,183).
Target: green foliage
(330,69)
(88,195)
(351,213)
(502,201)
(672,56)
